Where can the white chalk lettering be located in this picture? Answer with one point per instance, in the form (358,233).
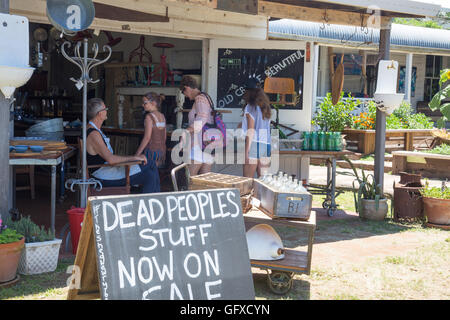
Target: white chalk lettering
(160,232)
(190,234)
(143,213)
(181,209)
(209,284)
(170,208)
(122,215)
(149,291)
(174,290)
(166,271)
(123,271)
(107,204)
(149,267)
(199,265)
(143,235)
(188,208)
(204,234)
(203,202)
(209,262)
(152,212)
(231,194)
(221,205)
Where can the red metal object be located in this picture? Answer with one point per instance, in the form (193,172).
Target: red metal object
(76,216)
(111,40)
(162,68)
(141,52)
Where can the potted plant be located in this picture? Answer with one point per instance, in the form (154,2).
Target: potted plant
(436,205)
(370,203)
(41,247)
(441,100)
(11,246)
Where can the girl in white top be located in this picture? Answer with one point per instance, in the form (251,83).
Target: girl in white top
(256,126)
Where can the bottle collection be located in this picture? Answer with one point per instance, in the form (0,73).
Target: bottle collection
(283,182)
(322,141)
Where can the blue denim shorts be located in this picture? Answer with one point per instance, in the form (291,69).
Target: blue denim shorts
(259,150)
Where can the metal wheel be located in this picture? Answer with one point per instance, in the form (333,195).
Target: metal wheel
(326,203)
(331,211)
(280,282)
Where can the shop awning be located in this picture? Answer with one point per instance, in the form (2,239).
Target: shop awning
(402,36)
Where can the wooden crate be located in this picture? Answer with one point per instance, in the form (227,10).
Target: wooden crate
(276,204)
(212,180)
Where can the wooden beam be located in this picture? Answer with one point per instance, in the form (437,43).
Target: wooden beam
(185,21)
(288,11)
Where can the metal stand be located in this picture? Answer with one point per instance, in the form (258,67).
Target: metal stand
(85,64)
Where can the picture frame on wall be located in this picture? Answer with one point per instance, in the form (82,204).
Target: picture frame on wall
(402,79)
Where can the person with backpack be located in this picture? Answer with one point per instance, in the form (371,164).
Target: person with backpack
(200,115)
(256,127)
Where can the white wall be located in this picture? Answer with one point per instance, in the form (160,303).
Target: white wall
(300,119)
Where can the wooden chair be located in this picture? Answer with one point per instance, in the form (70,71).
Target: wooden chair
(30,171)
(281,87)
(108,190)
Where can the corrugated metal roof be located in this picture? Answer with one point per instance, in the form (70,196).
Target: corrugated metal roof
(401,35)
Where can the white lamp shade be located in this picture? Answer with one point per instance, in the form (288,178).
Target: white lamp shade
(12,78)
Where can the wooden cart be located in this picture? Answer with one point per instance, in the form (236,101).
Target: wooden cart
(280,273)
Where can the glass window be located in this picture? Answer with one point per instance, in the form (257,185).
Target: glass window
(432,75)
(429,66)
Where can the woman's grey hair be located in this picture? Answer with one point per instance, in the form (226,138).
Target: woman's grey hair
(94,105)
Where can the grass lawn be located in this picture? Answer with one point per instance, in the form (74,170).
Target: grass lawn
(352,260)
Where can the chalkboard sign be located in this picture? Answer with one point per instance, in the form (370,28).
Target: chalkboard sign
(172,246)
(235,66)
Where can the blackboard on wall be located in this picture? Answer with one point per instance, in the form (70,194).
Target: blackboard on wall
(172,246)
(235,66)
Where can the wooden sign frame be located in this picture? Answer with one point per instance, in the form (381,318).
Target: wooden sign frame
(94,261)
(86,259)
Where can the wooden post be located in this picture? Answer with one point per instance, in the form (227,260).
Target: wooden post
(4,142)
(380,126)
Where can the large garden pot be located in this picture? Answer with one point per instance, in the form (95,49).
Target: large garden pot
(369,210)
(9,259)
(437,211)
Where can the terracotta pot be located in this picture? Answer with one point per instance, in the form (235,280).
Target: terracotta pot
(368,209)
(9,259)
(436,210)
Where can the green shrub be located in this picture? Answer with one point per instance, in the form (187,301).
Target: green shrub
(9,236)
(435,192)
(441,149)
(404,118)
(31,231)
(336,117)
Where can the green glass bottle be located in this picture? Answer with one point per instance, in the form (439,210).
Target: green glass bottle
(329,141)
(322,146)
(337,141)
(314,141)
(305,140)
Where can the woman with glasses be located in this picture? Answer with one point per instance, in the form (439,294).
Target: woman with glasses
(201,113)
(99,151)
